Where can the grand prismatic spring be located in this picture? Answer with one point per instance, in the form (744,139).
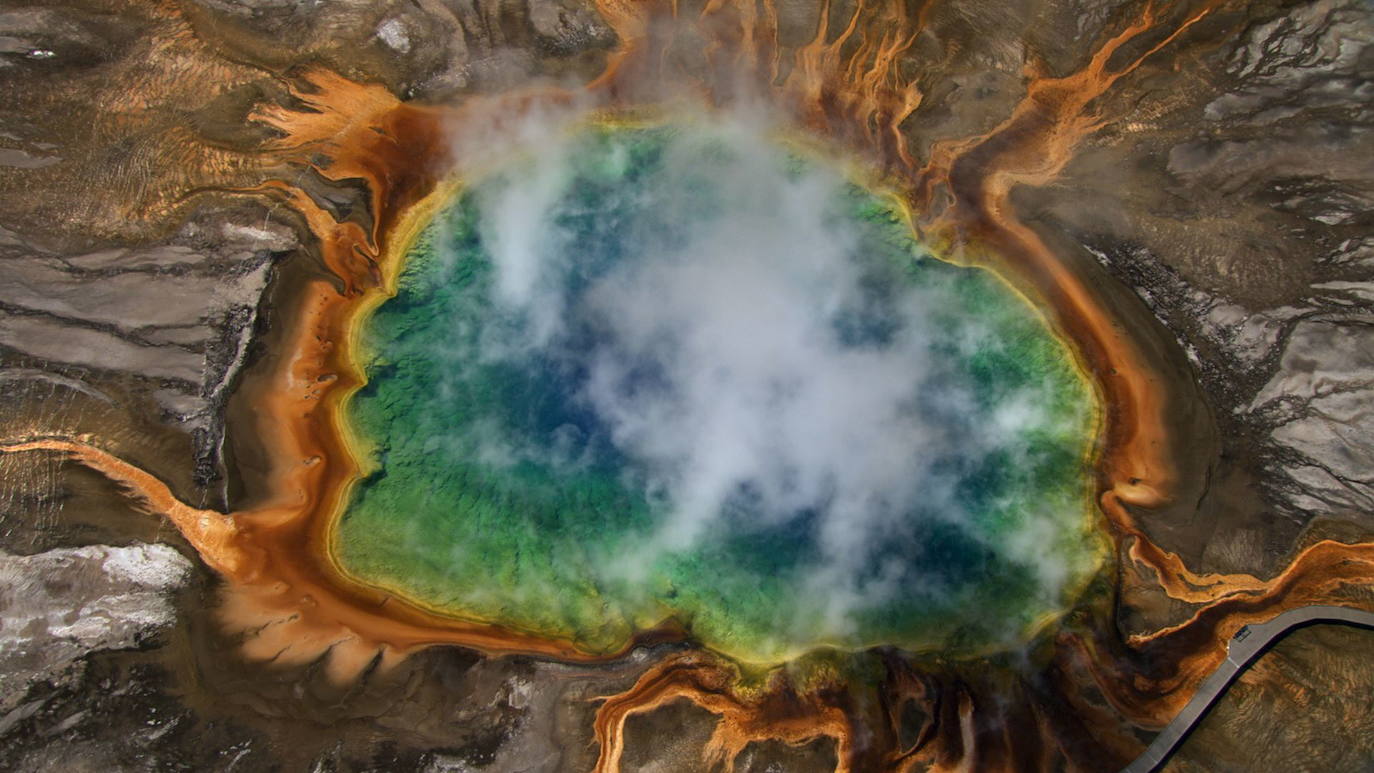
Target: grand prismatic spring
(677,373)
(647,385)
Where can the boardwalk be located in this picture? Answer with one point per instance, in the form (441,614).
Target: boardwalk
(1241,651)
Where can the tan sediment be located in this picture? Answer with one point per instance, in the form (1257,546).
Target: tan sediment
(291,600)
(213,534)
(772,713)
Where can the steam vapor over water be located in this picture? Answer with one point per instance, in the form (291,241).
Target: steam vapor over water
(816,432)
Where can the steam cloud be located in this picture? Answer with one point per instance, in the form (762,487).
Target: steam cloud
(747,366)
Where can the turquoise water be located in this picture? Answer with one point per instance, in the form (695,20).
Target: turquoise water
(681,373)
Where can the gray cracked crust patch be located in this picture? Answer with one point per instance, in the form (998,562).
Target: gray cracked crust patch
(59,606)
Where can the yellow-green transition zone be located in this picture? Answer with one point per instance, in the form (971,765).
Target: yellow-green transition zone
(678,372)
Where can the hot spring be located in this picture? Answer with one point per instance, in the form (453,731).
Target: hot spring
(682,372)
